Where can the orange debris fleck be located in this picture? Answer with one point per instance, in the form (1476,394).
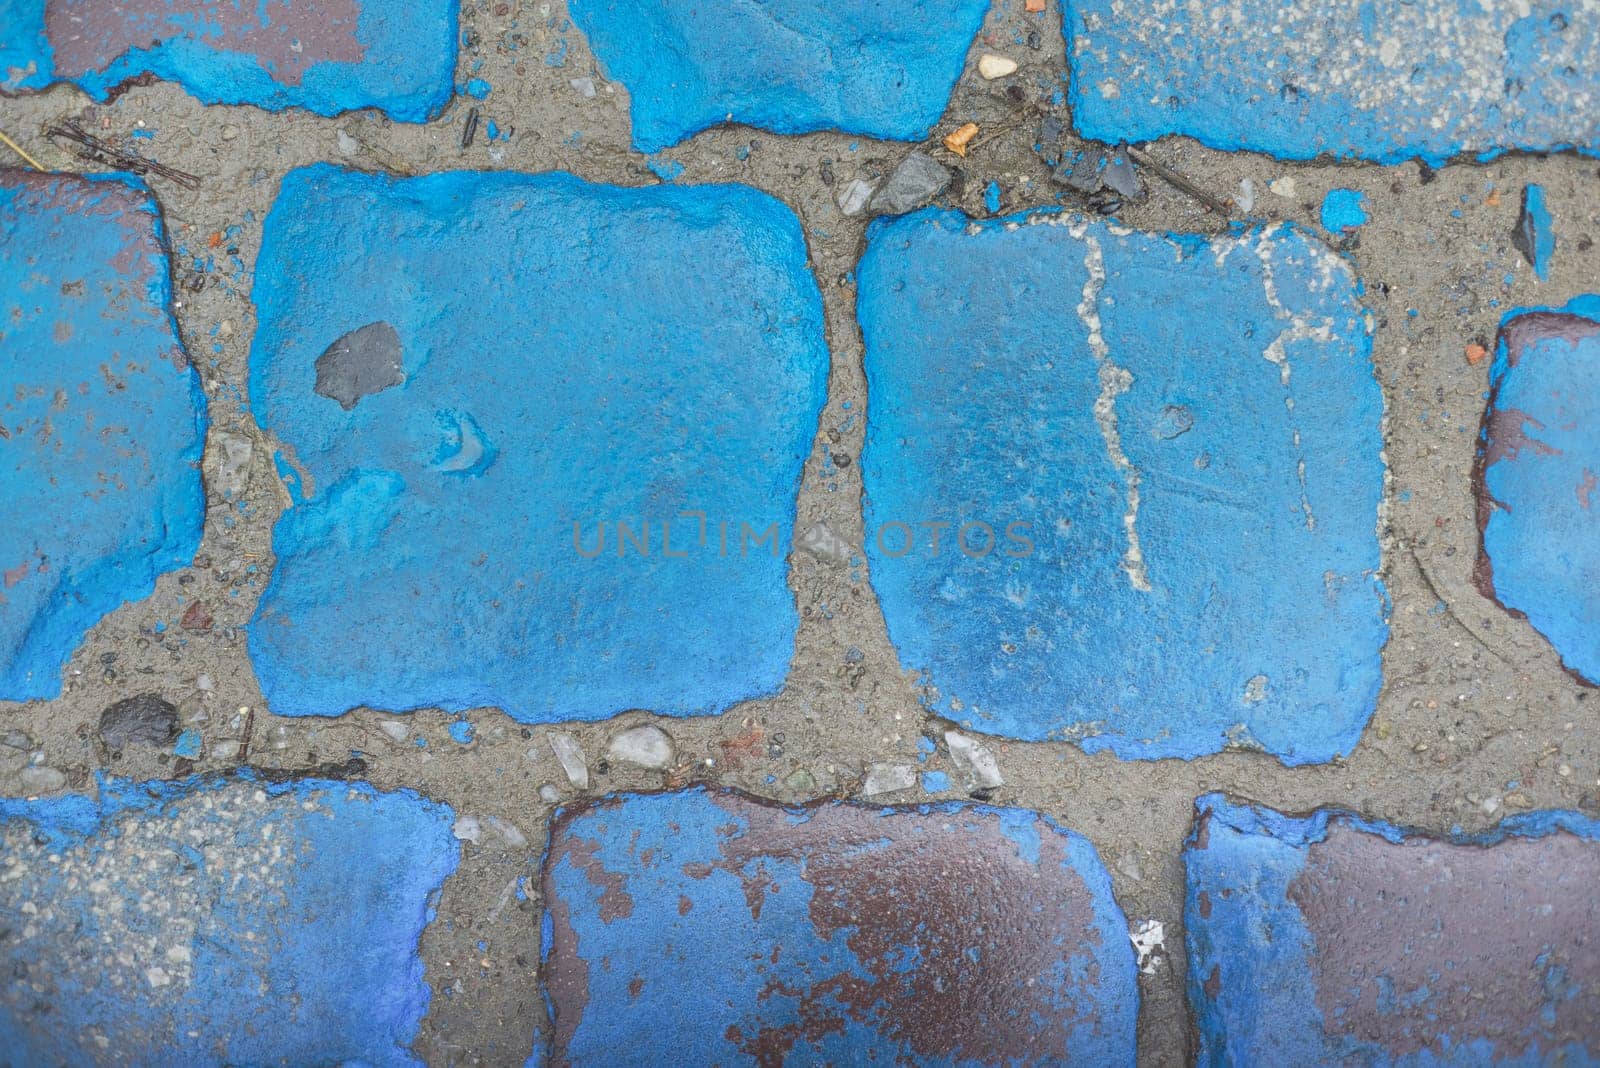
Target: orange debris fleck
(1476,353)
(956,140)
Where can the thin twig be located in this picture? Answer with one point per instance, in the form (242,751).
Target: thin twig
(91,147)
(1179,182)
(19,150)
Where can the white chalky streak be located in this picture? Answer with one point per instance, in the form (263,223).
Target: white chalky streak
(1114,381)
(1277,353)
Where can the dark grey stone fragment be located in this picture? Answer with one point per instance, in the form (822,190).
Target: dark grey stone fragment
(359,364)
(916,181)
(147,719)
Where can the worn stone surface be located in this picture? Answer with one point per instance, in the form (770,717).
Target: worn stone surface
(677,337)
(840,933)
(1538,478)
(101,419)
(218,922)
(786,65)
(1330,939)
(325,55)
(1378,81)
(1123,488)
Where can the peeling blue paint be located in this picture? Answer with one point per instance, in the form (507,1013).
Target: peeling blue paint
(1539,478)
(662,381)
(1378,81)
(838,933)
(327,56)
(1270,898)
(219,921)
(790,66)
(1168,452)
(101,417)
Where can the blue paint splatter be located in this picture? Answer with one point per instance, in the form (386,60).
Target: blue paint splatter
(1343,210)
(187,745)
(666,170)
(935,781)
(478,89)
(991,198)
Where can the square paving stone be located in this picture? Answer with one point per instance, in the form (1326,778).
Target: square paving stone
(548,436)
(101,417)
(790,66)
(1381,81)
(325,55)
(1538,479)
(1157,463)
(1330,939)
(700,927)
(220,921)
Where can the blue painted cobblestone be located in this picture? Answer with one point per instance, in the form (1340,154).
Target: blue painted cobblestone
(465,534)
(1376,80)
(1539,478)
(1329,939)
(101,418)
(1158,463)
(947,934)
(210,922)
(325,55)
(790,66)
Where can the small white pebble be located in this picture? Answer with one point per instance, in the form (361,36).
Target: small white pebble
(992,66)
(647,746)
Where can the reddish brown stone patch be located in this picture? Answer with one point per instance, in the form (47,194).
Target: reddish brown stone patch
(904,881)
(1427,939)
(285,36)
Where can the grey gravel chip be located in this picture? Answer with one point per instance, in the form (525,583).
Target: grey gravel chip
(1525,236)
(1121,176)
(917,180)
(1082,173)
(363,362)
